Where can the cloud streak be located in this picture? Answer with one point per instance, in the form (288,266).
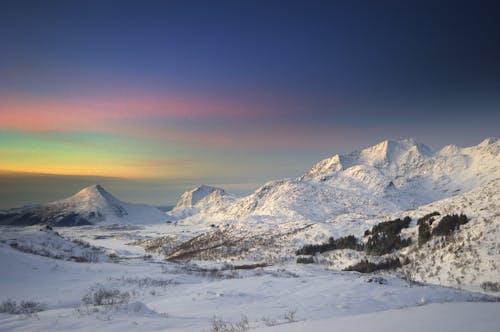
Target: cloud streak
(60,114)
(187,118)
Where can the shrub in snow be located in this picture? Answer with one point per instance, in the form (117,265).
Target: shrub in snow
(365,266)
(305,260)
(28,308)
(289,316)
(424,233)
(148,282)
(392,226)
(446,226)
(99,295)
(385,237)
(378,280)
(428,218)
(385,243)
(346,242)
(490,286)
(8,307)
(449,223)
(383,240)
(221,325)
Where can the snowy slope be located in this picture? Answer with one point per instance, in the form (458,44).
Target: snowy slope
(91,205)
(479,317)
(469,258)
(43,241)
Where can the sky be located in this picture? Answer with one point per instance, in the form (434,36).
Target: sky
(151,98)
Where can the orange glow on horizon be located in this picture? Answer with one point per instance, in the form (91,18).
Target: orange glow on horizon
(88,170)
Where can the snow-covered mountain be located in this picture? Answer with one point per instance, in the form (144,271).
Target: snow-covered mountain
(201,198)
(91,205)
(199,195)
(388,177)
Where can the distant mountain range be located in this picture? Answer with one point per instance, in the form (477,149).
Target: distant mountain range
(385,178)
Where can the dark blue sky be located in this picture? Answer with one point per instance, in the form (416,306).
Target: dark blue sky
(255,83)
(319,50)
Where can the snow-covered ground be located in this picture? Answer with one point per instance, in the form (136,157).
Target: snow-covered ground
(450,317)
(184,296)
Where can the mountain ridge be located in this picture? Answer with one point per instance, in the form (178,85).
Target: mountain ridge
(384,178)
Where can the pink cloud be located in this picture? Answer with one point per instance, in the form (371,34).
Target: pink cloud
(28,113)
(263,135)
(160,117)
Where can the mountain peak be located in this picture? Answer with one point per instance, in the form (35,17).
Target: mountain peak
(94,195)
(389,151)
(386,152)
(488,141)
(95,190)
(193,196)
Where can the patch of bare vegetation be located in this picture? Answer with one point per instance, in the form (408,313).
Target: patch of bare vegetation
(232,242)
(99,295)
(91,255)
(27,308)
(490,286)
(161,245)
(214,273)
(146,282)
(220,325)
